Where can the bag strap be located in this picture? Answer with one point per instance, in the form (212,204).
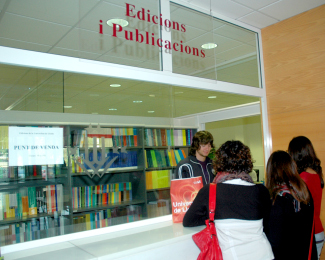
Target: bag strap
(212,200)
(311,240)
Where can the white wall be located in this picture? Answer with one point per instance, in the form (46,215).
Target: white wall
(247,130)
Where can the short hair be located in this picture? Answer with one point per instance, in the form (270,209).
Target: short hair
(233,157)
(303,153)
(281,169)
(201,137)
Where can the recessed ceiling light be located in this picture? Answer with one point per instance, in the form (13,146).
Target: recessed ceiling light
(179,92)
(115,85)
(151,95)
(212,97)
(67,106)
(112,109)
(137,101)
(118,21)
(151,111)
(209,45)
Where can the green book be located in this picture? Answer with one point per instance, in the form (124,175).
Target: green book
(159,159)
(149,159)
(32,204)
(153,157)
(20,205)
(82,197)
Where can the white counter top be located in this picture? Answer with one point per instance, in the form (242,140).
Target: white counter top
(163,240)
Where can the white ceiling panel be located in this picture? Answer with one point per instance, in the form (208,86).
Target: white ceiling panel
(230,9)
(258,19)
(50,11)
(284,9)
(31,30)
(255,5)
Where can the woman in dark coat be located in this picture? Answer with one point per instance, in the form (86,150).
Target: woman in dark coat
(291,219)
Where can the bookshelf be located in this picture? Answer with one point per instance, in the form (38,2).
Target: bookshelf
(164,148)
(33,198)
(109,176)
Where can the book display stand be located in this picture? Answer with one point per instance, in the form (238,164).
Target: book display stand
(110,176)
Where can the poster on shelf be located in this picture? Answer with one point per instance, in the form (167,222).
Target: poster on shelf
(35,145)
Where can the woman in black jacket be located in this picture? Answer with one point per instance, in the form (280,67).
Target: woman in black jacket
(291,219)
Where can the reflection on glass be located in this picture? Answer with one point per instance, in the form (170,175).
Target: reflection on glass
(234,59)
(28,89)
(119,32)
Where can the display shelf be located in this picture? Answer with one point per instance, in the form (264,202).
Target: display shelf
(16,184)
(23,219)
(109,206)
(93,192)
(114,170)
(159,189)
(161,168)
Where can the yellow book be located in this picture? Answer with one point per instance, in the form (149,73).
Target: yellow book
(155,180)
(7,206)
(112,197)
(184,136)
(163,180)
(171,163)
(88,226)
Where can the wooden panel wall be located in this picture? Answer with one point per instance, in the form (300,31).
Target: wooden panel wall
(294,63)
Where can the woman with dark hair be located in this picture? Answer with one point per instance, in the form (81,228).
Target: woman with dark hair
(241,206)
(291,218)
(310,170)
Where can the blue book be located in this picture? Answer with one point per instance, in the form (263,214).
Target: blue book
(169,140)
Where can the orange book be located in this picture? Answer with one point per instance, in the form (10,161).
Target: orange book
(53,199)
(24,199)
(149,180)
(163,137)
(183,152)
(105,198)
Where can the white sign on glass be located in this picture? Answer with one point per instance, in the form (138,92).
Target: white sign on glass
(35,145)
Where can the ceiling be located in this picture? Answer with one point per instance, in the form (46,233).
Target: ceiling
(70,28)
(257,13)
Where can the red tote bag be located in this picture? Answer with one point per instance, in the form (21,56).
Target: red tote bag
(182,194)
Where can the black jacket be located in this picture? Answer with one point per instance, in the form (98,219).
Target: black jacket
(191,165)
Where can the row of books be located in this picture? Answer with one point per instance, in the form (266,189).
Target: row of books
(158,179)
(36,228)
(92,196)
(163,158)
(30,171)
(168,137)
(120,160)
(158,208)
(110,136)
(106,218)
(30,201)
(4,137)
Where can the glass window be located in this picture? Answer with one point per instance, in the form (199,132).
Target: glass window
(110,174)
(234,58)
